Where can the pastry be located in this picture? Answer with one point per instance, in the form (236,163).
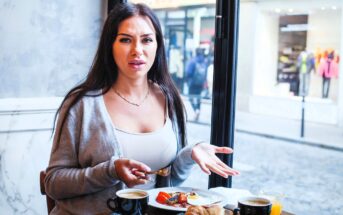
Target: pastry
(215,210)
(200,210)
(196,210)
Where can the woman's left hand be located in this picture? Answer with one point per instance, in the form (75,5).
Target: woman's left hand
(205,156)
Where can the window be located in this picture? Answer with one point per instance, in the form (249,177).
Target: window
(287,116)
(284,49)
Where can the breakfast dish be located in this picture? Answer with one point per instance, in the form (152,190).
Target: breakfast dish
(181,198)
(201,210)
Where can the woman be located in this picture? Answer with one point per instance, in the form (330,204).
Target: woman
(124,120)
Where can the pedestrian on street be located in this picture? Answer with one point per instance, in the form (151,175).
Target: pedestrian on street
(196,75)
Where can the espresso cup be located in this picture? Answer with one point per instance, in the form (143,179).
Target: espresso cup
(129,202)
(253,206)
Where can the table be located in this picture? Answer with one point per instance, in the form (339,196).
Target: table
(232,195)
(156,211)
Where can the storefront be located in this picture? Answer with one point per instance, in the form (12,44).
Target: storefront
(275,37)
(270,64)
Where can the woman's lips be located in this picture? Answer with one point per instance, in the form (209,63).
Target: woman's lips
(137,64)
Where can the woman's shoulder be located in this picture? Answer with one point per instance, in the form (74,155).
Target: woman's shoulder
(156,89)
(88,100)
(157,92)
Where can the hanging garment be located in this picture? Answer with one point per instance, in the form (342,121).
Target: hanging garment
(328,68)
(326,87)
(305,64)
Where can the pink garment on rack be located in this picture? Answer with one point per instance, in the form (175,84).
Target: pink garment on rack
(328,68)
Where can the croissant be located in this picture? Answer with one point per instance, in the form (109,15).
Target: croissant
(200,210)
(215,210)
(196,210)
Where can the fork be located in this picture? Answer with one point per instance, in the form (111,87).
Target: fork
(162,172)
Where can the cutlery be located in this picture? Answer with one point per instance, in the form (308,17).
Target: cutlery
(162,172)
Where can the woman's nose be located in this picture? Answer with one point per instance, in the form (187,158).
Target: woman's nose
(137,49)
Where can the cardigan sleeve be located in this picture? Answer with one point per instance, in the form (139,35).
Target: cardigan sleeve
(182,166)
(183,163)
(65,178)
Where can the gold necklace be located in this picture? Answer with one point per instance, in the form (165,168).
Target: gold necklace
(130,102)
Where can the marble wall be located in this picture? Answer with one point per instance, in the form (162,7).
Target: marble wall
(46,47)
(25,144)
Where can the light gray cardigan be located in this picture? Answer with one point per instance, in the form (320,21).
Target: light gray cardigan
(81,174)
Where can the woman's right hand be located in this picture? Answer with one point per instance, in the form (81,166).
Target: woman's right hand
(131,172)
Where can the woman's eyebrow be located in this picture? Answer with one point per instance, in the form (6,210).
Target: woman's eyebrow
(146,35)
(123,34)
(128,35)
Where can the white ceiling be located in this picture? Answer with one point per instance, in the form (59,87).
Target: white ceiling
(297,6)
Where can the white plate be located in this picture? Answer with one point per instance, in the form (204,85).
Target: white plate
(211,197)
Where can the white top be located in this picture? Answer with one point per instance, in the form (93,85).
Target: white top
(156,149)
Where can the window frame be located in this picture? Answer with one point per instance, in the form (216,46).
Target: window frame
(224,83)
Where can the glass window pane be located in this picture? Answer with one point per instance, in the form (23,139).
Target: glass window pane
(289,109)
(188,28)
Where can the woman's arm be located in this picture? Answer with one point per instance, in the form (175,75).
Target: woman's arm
(65,176)
(182,166)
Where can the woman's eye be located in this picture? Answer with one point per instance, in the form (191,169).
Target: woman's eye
(124,40)
(147,40)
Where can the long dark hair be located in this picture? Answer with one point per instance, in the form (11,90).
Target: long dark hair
(104,72)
